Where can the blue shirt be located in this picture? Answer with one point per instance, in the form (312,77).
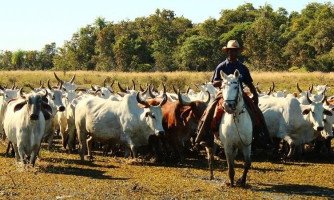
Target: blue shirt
(228,68)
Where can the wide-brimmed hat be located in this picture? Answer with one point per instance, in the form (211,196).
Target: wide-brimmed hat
(232,44)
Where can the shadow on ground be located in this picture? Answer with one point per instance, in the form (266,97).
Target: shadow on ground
(75,171)
(295,189)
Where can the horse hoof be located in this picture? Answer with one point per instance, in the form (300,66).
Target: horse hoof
(241,183)
(229,184)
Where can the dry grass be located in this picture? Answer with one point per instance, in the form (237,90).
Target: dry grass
(284,81)
(59,175)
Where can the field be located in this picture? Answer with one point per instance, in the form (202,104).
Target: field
(59,175)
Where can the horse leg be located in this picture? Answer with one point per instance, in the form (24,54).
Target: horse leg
(229,153)
(209,153)
(246,152)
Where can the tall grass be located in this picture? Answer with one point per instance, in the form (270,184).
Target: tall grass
(283,80)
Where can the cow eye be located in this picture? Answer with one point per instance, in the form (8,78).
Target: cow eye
(153,116)
(102,94)
(53,97)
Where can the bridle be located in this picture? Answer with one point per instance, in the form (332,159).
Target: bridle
(236,114)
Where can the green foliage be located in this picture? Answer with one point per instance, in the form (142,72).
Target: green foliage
(274,40)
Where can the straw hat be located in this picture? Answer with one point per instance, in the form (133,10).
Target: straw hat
(232,44)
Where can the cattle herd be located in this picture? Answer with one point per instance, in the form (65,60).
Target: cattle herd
(165,121)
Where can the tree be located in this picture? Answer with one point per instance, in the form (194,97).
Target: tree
(198,53)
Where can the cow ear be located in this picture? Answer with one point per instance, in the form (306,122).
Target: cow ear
(147,114)
(46,110)
(327,112)
(306,111)
(19,106)
(185,115)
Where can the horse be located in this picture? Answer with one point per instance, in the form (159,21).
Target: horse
(235,128)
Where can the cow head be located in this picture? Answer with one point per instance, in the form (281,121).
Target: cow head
(153,115)
(190,112)
(35,105)
(68,85)
(316,113)
(55,97)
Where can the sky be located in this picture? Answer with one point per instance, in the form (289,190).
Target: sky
(29,25)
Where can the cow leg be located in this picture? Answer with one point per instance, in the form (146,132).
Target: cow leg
(50,141)
(71,138)
(17,156)
(21,153)
(246,152)
(34,154)
(82,144)
(90,146)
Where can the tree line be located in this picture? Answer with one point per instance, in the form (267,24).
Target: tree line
(273,40)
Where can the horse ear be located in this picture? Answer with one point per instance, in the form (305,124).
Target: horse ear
(222,75)
(236,73)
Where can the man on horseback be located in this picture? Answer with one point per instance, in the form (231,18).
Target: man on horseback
(211,118)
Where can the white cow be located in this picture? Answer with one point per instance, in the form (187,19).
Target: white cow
(290,120)
(24,125)
(120,121)
(54,97)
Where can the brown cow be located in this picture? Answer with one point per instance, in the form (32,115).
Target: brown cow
(180,121)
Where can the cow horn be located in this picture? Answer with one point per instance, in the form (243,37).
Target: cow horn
(188,89)
(175,90)
(120,88)
(46,93)
(112,83)
(164,100)
(209,96)
(150,92)
(324,96)
(257,89)
(273,89)
(141,88)
(93,88)
(139,100)
(72,79)
(29,86)
(308,98)
(327,103)
(13,87)
(299,90)
(134,85)
(197,86)
(81,89)
(41,84)
(60,86)
(311,88)
(21,93)
(181,100)
(96,91)
(270,90)
(104,82)
(6,86)
(164,88)
(49,86)
(110,91)
(58,79)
